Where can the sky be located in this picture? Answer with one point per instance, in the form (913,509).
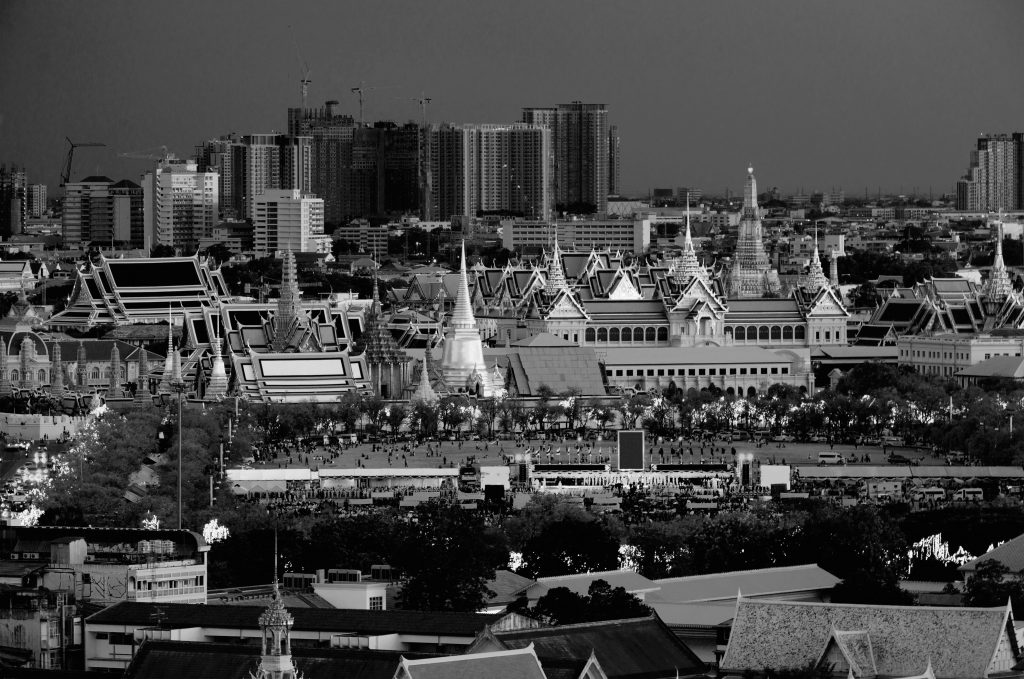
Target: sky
(815,94)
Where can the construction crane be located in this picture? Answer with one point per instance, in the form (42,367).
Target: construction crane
(146,154)
(304,67)
(65,173)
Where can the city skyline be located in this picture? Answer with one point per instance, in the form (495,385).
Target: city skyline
(814,95)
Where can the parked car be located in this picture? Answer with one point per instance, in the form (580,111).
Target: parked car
(901,459)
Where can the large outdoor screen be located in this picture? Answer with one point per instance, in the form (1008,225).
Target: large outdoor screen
(631,450)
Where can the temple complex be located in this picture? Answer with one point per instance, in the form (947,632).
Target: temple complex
(751,274)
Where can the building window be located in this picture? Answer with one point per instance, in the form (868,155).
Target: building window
(785,371)
(671,372)
(799,332)
(732,371)
(740,334)
(711,371)
(691,372)
(828,335)
(764,371)
(775,371)
(588,335)
(602,335)
(743,371)
(629,373)
(613,335)
(650,372)
(608,373)
(661,372)
(638,334)
(627,335)
(787,333)
(618,373)
(700,371)
(650,335)
(662,334)
(762,333)
(376,603)
(776,333)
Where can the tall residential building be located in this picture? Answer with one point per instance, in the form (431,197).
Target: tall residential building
(274,161)
(995,178)
(226,157)
(13,201)
(614,162)
(491,169)
(331,134)
(285,219)
(580,136)
(99,211)
(182,204)
(36,200)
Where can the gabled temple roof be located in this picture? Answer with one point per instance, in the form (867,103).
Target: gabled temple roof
(959,642)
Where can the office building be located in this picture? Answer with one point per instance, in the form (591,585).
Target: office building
(182,204)
(286,220)
(13,200)
(101,212)
(616,235)
(580,137)
(366,237)
(993,180)
(383,174)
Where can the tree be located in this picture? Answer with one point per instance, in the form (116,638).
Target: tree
(219,252)
(562,606)
(571,545)
(453,412)
(396,415)
(862,546)
(447,559)
(424,418)
(633,408)
(373,408)
(162,251)
(992,585)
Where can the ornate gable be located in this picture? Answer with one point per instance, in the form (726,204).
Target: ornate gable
(826,304)
(565,306)
(623,288)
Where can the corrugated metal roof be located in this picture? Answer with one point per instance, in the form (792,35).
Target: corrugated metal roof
(725,586)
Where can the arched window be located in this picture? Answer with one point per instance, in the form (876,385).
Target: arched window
(15,376)
(627,335)
(638,334)
(799,332)
(650,335)
(741,333)
(776,333)
(787,333)
(762,333)
(602,334)
(95,373)
(662,334)
(123,378)
(751,392)
(751,333)
(588,336)
(613,335)
(41,376)
(106,373)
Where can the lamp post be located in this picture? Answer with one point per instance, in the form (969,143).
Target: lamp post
(179,388)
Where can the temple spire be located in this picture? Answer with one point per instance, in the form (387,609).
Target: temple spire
(555,282)
(218,384)
(81,369)
(462,316)
(816,279)
(998,287)
(289,305)
(275,631)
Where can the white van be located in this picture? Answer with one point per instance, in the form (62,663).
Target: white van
(930,495)
(830,458)
(968,495)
